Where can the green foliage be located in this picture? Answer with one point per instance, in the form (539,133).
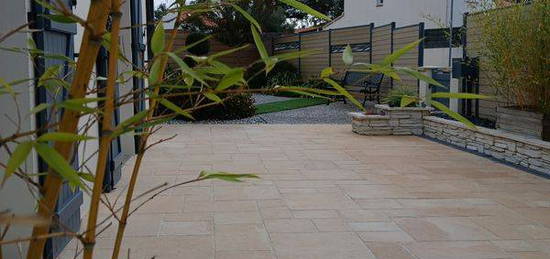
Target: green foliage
(17,158)
(230,26)
(283,78)
(257,79)
(225,176)
(203,46)
(515,54)
(233,108)
(395,95)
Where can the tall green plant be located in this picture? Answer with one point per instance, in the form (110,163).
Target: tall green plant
(515,52)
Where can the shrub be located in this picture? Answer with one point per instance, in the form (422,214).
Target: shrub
(284,78)
(234,108)
(259,79)
(393,99)
(515,54)
(200,49)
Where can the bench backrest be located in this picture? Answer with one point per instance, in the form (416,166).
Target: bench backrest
(353,78)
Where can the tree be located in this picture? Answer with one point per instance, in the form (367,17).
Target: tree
(331,8)
(230,27)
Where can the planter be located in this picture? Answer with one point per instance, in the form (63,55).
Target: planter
(390,121)
(521,122)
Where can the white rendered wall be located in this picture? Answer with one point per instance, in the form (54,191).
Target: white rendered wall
(434,13)
(14,196)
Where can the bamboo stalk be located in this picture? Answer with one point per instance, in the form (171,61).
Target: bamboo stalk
(105,139)
(142,147)
(97,18)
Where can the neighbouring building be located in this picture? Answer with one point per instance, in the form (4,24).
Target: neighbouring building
(64,39)
(436,14)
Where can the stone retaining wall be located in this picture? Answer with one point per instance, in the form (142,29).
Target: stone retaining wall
(390,121)
(526,152)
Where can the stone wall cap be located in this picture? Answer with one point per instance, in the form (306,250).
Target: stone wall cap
(492,132)
(363,116)
(388,108)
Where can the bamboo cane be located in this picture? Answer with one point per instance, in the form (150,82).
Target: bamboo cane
(97,19)
(142,147)
(105,139)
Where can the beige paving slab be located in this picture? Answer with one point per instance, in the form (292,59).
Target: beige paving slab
(325,192)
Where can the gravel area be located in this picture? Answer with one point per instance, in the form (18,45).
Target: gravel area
(334,113)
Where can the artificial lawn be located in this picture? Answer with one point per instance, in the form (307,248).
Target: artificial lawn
(288,105)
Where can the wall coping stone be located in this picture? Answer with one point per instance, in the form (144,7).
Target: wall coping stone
(388,108)
(492,132)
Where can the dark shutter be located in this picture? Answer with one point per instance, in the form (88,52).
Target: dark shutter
(56,38)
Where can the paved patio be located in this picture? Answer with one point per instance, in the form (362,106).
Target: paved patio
(325,192)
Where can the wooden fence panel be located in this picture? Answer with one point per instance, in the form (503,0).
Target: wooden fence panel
(312,65)
(381,47)
(350,36)
(370,45)
(401,38)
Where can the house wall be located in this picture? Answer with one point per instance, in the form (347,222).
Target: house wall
(13,66)
(434,13)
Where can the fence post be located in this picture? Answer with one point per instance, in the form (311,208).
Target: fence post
(464,34)
(420,52)
(392,30)
(370,39)
(330,47)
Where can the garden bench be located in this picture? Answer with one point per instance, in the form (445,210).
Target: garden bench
(363,83)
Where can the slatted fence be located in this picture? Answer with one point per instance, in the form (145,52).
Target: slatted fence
(370,44)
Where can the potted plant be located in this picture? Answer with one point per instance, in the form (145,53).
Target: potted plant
(515,55)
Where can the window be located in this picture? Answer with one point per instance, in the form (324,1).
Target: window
(379,2)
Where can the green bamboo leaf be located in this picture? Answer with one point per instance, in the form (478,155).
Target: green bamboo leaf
(175,108)
(225,176)
(232,78)
(158,38)
(17,158)
(460,95)
(226,52)
(40,108)
(155,73)
(388,60)
(306,9)
(296,54)
(453,114)
(420,76)
(185,68)
(58,164)
(50,76)
(153,123)
(408,100)
(62,136)
(213,97)
(347,56)
(60,18)
(87,176)
(345,93)
(186,47)
(327,72)
(132,120)
(248,17)
(259,43)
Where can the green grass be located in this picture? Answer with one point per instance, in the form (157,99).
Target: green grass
(288,105)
